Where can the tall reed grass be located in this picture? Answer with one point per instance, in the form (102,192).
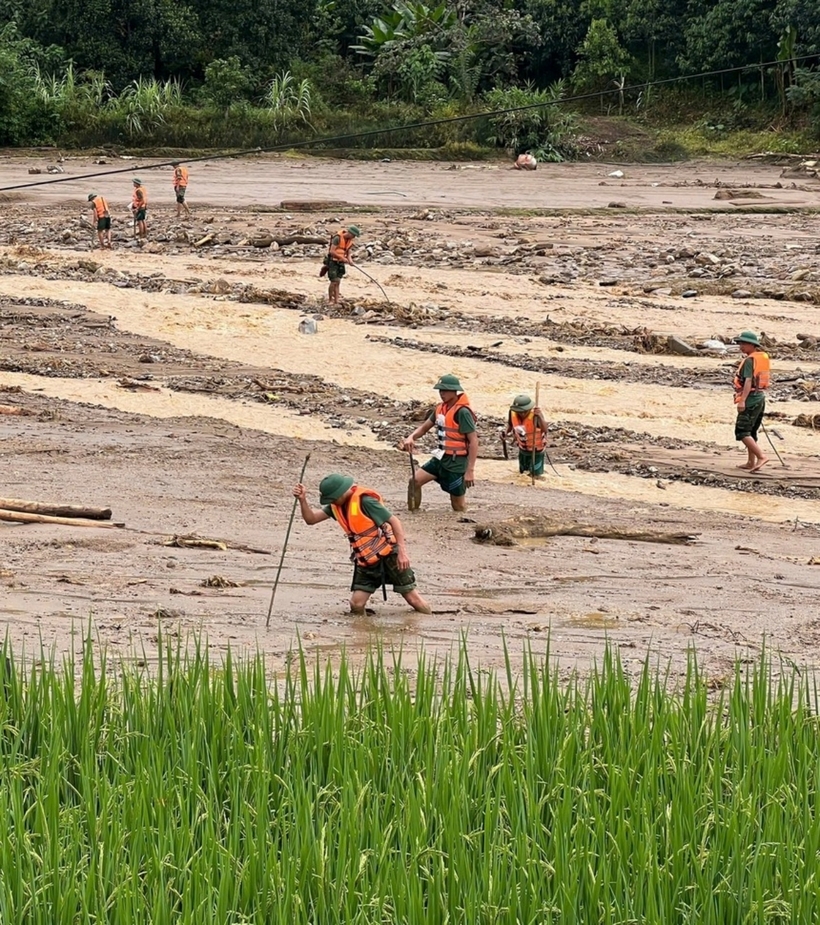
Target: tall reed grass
(203,793)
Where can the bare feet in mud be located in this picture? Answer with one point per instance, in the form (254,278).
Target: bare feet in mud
(758,466)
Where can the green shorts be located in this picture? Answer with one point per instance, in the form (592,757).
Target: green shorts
(369,578)
(103,224)
(335,270)
(449,473)
(139,215)
(180,191)
(749,421)
(525,462)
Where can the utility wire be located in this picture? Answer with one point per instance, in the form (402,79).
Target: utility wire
(430,123)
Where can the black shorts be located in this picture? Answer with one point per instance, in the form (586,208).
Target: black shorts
(139,215)
(104,224)
(180,191)
(369,577)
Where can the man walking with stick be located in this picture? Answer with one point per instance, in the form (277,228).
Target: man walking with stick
(337,259)
(750,382)
(101,218)
(378,548)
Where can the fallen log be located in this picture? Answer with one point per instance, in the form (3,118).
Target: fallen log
(14,409)
(508,532)
(21,518)
(55,510)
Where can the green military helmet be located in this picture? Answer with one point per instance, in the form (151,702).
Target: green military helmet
(333,486)
(354,230)
(747,337)
(522,403)
(92,197)
(448,383)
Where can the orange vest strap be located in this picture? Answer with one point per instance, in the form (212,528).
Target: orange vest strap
(449,438)
(368,541)
(340,251)
(529,436)
(761,372)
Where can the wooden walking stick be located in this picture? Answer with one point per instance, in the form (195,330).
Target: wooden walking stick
(537,405)
(413,490)
(285,545)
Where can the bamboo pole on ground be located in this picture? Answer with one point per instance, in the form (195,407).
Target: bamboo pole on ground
(20,517)
(55,509)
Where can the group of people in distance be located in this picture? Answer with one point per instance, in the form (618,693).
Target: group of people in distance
(378,548)
(377,541)
(101,214)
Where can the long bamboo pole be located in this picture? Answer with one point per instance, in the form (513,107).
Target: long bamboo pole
(285,545)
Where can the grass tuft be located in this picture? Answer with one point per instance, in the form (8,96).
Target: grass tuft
(202,793)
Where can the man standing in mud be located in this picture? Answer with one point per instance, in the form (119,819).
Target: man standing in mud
(100,218)
(180,188)
(139,206)
(750,382)
(526,423)
(378,548)
(338,257)
(453,462)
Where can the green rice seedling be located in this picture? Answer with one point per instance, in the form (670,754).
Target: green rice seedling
(212,793)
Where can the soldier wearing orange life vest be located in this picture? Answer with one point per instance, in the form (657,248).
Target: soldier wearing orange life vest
(338,257)
(526,423)
(139,206)
(750,382)
(101,218)
(180,187)
(378,548)
(453,462)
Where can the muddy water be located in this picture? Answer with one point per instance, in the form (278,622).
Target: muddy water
(342,353)
(483,293)
(549,349)
(645,491)
(166,404)
(169,404)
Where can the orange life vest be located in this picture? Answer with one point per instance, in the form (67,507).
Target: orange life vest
(340,251)
(450,440)
(760,374)
(100,206)
(368,542)
(139,200)
(528,436)
(180,177)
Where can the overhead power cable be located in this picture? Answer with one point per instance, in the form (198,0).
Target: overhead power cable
(429,123)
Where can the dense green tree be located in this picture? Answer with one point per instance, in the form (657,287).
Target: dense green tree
(727,33)
(264,34)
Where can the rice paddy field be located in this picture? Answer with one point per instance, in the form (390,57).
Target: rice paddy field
(404,793)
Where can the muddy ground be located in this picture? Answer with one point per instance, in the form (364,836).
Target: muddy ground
(170,381)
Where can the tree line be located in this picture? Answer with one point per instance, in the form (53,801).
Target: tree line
(83,70)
